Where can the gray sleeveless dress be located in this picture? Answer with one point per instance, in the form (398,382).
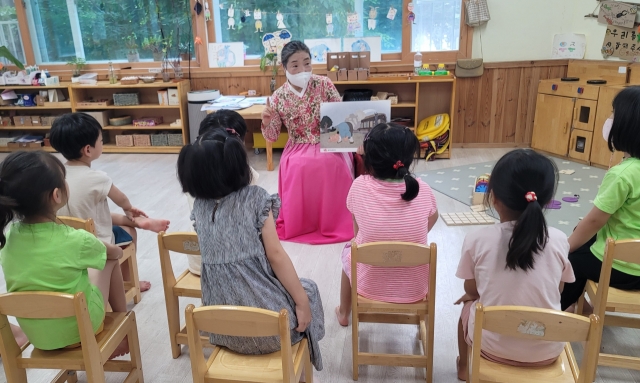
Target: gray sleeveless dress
(236,271)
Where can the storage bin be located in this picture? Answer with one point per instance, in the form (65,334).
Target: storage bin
(174,140)
(141,140)
(124,140)
(102,116)
(126,99)
(159,139)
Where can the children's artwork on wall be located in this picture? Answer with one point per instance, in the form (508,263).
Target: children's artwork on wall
(207,12)
(320,47)
(280,19)
(617,13)
(373,14)
(273,42)
(353,24)
(412,16)
(224,55)
(343,125)
(371,44)
(621,42)
(391,15)
(329,19)
(569,46)
(257,14)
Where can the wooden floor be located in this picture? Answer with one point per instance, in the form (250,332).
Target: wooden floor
(151,184)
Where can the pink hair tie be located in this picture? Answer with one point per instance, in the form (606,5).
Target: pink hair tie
(232,131)
(398,165)
(531,196)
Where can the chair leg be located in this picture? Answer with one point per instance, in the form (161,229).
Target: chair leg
(173,317)
(427,344)
(72,377)
(580,304)
(134,349)
(308,370)
(469,359)
(135,279)
(354,348)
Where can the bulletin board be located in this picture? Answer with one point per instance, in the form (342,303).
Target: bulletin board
(622,42)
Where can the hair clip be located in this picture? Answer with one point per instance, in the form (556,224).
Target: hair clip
(398,165)
(531,196)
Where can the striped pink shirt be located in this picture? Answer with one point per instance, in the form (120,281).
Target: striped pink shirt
(382,215)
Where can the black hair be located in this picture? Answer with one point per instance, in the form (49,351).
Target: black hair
(73,131)
(517,173)
(292,47)
(213,166)
(27,179)
(226,119)
(625,131)
(386,148)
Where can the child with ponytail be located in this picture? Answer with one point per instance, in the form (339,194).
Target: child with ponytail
(243,262)
(388,204)
(519,261)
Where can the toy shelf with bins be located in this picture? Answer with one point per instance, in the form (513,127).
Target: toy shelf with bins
(149,107)
(418,97)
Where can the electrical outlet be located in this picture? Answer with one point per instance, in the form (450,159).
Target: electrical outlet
(155,70)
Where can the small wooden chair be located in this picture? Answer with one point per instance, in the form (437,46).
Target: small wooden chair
(225,366)
(93,354)
(608,299)
(186,284)
(535,324)
(394,254)
(132,287)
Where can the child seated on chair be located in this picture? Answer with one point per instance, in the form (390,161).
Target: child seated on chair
(220,119)
(40,254)
(388,204)
(519,261)
(78,137)
(243,262)
(616,210)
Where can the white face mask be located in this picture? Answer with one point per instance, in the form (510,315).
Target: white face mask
(299,79)
(606,128)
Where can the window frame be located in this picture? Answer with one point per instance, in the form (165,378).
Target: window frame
(401,61)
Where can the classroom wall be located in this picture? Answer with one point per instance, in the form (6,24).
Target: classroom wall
(523,29)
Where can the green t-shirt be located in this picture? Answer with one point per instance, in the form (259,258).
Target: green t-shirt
(619,195)
(52,257)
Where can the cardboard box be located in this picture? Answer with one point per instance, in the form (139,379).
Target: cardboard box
(19,120)
(354,60)
(333,76)
(101,115)
(364,60)
(363,74)
(163,97)
(174,96)
(5,121)
(18,145)
(35,121)
(352,75)
(342,75)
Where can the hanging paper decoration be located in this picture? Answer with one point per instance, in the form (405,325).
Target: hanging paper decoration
(198,41)
(373,13)
(412,16)
(352,23)
(392,13)
(257,14)
(247,13)
(231,23)
(329,19)
(198,8)
(273,42)
(221,5)
(280,18)
(207,13)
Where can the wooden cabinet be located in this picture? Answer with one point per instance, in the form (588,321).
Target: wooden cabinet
(580,144)
(600,154)
(584,114)
(552,124)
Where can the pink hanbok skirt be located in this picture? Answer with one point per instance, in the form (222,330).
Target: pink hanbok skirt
(313,187)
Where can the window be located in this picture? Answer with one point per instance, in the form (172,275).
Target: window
(10,30)
(308,19)
(108,30)
(437,25)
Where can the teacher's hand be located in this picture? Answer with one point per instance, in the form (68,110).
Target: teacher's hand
(267,113)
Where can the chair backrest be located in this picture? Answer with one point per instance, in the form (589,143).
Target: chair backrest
(538,324)
(182,243)
(237,321)
(45,305)
(624,250)
(79,223)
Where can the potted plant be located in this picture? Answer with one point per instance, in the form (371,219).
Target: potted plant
(270,60)
(132,48)
(78,63)
(5,53)
(155,44)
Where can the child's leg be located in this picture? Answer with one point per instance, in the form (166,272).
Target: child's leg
(155,225)
(19,335)
(462,351)
(127,225)
(344,310)
(109,282)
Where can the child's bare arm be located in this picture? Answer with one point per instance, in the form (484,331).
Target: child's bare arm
(587,228)
(113,251)
(433,218)
(286,273)
(470,292)
(120,199)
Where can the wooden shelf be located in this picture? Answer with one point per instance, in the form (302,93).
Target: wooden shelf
(24,127)
(404,105)
(6,149)
(398,80)
(62,85)
(131,127)
(141,106)
(105,84)
(110,148)
(33,107)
